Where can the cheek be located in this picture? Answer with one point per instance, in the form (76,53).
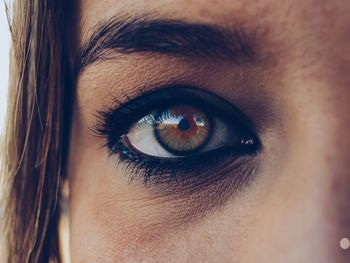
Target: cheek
(105,229)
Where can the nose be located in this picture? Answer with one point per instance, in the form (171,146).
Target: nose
(335,159)
(321,146)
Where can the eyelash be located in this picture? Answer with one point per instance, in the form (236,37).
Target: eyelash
(113,123)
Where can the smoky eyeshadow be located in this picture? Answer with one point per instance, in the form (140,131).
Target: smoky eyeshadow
(113,124)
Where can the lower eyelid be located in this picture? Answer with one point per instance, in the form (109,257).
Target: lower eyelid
(205,165)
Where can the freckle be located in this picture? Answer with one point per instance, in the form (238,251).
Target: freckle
(344,243)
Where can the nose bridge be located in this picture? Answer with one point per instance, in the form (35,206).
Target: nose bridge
(324,161)
(322,88)
(319,123)
(328,118)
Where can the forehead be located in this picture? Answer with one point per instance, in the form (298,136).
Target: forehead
(251,12)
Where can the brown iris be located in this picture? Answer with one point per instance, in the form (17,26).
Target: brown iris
(183,129)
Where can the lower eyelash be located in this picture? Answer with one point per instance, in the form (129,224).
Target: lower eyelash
(167,170)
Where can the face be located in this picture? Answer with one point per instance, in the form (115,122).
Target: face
(211,131)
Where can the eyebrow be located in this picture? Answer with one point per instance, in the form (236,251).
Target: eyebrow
(169,37)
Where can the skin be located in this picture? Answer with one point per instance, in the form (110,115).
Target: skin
(296,209)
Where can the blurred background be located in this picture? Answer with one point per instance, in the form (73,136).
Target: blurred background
(4,60)
(4,74)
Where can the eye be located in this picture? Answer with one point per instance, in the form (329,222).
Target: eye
(178,131)
(182,130)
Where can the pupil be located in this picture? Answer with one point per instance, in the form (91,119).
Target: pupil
(184,125)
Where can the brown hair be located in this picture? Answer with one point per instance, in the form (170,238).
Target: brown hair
(37,129)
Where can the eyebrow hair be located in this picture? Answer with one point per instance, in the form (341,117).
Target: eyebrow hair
(170,37)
